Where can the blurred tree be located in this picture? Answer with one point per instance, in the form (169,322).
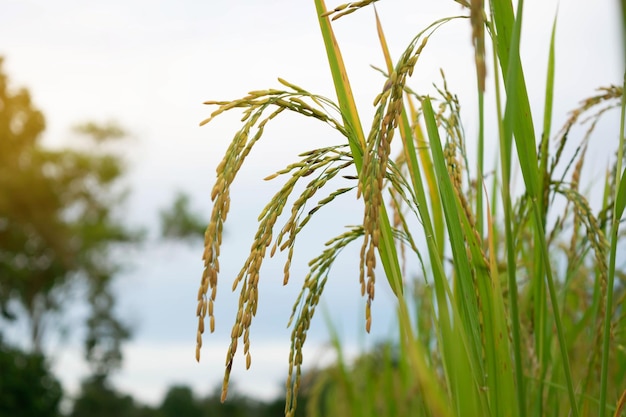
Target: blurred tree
(179,222)
(101,133)
(180,401)
(239,405)
(276,408)
(58,227)
(98,399)
(27,388)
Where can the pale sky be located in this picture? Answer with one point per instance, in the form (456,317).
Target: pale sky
(150,64)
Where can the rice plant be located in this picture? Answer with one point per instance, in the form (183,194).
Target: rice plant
(518,310)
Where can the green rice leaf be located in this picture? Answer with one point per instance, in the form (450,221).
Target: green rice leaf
(387,249)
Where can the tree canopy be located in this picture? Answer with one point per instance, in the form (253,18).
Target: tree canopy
(179,222)
(59,222)
(26,384)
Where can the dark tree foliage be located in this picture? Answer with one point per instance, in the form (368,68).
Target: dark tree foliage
(27,388)
(98,399)
(58,226)
(180,401)
(180,222)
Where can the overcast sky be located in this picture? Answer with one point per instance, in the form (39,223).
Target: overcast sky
(150,64)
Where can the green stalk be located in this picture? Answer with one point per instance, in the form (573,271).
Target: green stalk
(465,270)
(345,381)
(618,210)
(439,275)
(480,167)
(461,369)
(518,117)
(451,360)
(434,398)
(455,229)
(387,248)
(540,307)
(522,124)
(505,158)
(511,270)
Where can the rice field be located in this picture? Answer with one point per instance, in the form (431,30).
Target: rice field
(517,310)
